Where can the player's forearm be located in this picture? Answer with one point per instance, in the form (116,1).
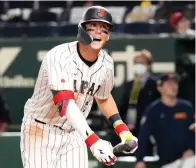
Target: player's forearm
(77,120)
(67,107)
(110,110)
(107,106)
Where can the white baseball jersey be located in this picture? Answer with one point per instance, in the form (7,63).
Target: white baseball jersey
(63,69)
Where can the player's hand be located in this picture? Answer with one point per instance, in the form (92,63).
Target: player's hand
(127,136)
(102,151)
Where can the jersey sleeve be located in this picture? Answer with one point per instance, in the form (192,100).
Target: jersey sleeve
(106,88)
(59,74)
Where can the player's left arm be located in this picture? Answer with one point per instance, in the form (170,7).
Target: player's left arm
(109,108)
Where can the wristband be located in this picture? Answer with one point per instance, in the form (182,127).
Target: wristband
(118,124)
(120,128)
(90,140)
(114,118)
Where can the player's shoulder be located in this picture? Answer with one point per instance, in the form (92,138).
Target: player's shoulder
(64,48)
(107,59)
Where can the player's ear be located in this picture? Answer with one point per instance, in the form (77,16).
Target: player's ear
(108,37)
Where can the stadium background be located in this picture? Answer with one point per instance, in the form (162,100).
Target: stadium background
(24,40)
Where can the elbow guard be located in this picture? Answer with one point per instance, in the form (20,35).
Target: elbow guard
(61,99)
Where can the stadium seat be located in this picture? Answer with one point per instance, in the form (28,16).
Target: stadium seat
(1,28)
(14,29)
(20,4)
(57,11)
(138,28)
(116,12)
(42,29)
(68,30)
(76,14)
(162,27)
(42,15)
(52,4)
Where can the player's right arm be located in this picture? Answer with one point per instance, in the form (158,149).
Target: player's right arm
(60,81)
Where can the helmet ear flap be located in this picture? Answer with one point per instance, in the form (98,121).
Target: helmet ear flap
(83,36)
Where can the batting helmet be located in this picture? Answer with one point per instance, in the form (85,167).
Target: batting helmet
(94,13)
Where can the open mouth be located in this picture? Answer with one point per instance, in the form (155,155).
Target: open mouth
(96,39)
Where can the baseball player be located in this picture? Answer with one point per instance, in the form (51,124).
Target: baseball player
(54,131)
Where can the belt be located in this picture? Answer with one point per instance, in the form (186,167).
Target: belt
(41,122)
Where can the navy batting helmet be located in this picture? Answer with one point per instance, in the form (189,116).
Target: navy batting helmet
(94,13)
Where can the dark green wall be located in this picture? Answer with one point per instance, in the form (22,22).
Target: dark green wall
(18,77)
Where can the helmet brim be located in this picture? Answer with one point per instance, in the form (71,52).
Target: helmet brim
(98,20)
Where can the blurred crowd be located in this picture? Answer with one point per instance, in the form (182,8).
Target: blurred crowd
(134,17)
(159,113)
(160,110)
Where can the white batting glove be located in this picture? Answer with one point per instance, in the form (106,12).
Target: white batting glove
(101,150)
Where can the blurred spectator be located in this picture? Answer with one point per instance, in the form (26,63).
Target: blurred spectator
(88,3)
(139,92)
(189,11)
(181,24)
(65,15)
(162,11)
(166,8)
(133,96)
(3,7)
(168,120)
(42,15)
(143,12)
(4,115)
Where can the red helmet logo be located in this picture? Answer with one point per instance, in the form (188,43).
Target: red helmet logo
(101,13)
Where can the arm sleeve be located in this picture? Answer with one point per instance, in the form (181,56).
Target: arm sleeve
(145,132)
(106,88)
(59,75)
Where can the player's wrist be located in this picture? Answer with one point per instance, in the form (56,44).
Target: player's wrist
(91,139)
(118,125)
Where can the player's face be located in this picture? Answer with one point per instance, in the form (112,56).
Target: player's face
(170,88)
(100,32)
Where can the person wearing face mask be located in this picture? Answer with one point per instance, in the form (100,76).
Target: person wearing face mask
(139,92)
(135,95)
